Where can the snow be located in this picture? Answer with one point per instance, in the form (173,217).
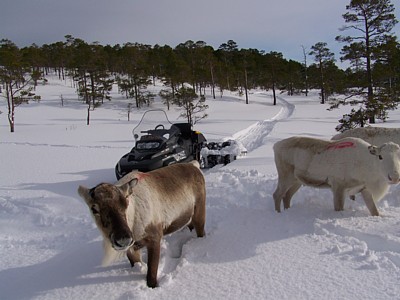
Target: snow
(51,249)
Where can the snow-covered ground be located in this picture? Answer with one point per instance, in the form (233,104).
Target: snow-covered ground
(51,249)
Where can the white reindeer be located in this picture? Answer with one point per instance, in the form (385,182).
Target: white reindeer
(347,166)
(372,135)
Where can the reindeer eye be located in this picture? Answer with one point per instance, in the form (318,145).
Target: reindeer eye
(380,157)
(95,210)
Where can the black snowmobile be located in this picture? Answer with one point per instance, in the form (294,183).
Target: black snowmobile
(162,145)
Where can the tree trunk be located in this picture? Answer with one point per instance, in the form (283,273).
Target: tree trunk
(88,115)
(245,86)
(212,81)
(93,89)
(321,70)
(136,90)
(370,90)
(369,76)
(305,71)
(11,106)
(11,117)
(273,92)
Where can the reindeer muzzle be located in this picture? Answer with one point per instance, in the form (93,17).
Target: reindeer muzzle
(121,243)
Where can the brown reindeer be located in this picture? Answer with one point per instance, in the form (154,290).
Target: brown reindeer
(142,207)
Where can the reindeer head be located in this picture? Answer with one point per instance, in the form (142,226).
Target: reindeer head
(389,155)
(108,204)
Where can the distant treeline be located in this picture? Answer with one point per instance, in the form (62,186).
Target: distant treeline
(371,85)
(195,63)
(95,68)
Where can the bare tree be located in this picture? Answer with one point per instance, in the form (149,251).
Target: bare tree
(305,70)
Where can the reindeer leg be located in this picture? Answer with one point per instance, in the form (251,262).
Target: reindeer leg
(338,198)
(277,199)
(284,192)
(369,201)
(289,194)
(279,193)
(134,256)
(285,188)
(153,253)
(153,244)
(199,218)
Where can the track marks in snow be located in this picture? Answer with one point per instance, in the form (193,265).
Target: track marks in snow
(254,136)
(173,255)
(225,185)
(371,243)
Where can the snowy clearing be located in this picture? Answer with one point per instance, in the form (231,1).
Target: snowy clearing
(51,249)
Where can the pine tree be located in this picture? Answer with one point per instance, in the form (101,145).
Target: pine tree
(16,76)
(193,106)
(322,56)
(370,23)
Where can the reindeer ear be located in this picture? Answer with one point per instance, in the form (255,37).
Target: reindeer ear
(126,188)
(374,150)
(84,193)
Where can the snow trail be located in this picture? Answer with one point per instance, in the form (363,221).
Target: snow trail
(254,136)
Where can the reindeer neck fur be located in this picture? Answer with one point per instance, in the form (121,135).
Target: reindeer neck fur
(134,220)
(110,254)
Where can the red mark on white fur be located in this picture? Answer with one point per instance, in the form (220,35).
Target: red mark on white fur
(341,145)
(140,175)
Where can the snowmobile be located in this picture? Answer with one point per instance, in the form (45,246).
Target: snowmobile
(165,143)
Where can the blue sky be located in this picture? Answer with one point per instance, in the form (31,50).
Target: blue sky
(269,25)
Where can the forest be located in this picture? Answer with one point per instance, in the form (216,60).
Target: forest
(371,84)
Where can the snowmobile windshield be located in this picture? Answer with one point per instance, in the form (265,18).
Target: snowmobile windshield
(153,128)
(147,145)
